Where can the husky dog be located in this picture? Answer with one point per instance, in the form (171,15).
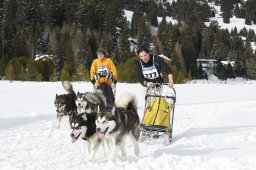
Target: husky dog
(83,126)
(115,125)
(89,102)
(65,103)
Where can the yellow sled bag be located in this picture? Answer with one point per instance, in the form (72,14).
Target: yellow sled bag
(157,112)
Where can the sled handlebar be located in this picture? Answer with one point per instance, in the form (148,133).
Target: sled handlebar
(155,95)
(173,97)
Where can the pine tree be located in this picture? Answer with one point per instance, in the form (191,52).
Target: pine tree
(123,74)
(161,29)
(143,36)
(250,61)
(226,6)
(32,72)
(230,71)
(250,12)
(9,72)
(106,42)
(69,10)
(243,32)
(177,75)
(207,42)
(135,23)
(78,45)
(237,11)
(251,35)
(161,12)
(239,67)
(221,71)
(189,54)
(179,59)
(45,69)
(248,20)
(152,13)
(112,14)
(124,45)
(81,73)
(65,73)
(158,46)
(168,9)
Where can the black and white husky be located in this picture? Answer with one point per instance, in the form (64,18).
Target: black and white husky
(114,126)
(83,126)
(89,102)
(65,103)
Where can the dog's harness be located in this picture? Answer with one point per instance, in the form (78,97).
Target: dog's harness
(116,128)
(91,137)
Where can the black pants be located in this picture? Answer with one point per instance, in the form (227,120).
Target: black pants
(108,93)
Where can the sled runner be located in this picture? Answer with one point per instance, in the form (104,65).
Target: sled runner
(158,116)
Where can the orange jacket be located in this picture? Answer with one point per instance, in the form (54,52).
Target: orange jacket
(108,63)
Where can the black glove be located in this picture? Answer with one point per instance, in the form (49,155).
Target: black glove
(93,81)
(115,81)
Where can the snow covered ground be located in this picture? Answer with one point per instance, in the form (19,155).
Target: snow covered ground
(214,128)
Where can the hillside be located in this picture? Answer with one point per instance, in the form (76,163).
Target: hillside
(70,32)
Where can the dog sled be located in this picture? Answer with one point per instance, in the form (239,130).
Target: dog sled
(157,122)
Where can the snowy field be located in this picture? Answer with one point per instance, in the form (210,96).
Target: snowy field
(214,128)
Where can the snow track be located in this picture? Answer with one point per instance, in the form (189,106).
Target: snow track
(214,128)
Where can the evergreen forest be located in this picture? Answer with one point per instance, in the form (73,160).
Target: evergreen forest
(70,31)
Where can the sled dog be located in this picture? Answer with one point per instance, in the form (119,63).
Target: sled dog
(83,126)
(65,103)
(90,101)
(114,126)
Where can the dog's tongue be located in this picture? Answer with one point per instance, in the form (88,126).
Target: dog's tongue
(78,109)
(73,140)
(101,135)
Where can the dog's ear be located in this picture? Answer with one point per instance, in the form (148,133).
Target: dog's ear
(78,93)
(56,95)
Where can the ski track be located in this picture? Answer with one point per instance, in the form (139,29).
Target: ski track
(205,137)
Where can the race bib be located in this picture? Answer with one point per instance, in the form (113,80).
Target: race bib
(150,72)
(102,71)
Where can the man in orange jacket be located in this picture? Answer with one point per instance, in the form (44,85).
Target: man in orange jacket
(103,70)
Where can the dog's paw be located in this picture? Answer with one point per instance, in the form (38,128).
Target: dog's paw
(58,126)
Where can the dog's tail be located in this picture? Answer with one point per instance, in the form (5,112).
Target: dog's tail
(127,101)
(68,87)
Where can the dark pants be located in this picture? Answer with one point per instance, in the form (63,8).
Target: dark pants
(108,93)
